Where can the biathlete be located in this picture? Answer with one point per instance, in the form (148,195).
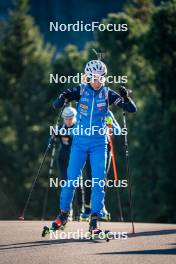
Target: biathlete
(93,99)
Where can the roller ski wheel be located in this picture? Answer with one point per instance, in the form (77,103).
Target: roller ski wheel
(100,235)
(47,230)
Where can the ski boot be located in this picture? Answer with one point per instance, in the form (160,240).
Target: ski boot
(58,224)
(60,221)
(84,216)
(95,231)
(93,226)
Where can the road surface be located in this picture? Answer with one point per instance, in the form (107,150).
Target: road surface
(21,242)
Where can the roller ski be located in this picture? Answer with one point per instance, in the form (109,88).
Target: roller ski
(58,224)
(95,232)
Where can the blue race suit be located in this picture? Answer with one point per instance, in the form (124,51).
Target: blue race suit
(91,115)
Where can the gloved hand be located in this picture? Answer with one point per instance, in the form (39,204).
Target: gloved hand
(124,92)
(58,103)
(51,141)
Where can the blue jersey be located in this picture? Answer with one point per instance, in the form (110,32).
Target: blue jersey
(76,92)
(92,104)
(92,107)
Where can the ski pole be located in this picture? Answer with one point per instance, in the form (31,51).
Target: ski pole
(22,216)
(33,184)
(98,54)
(49,175)
(128,168)
(109,123)
(112,153)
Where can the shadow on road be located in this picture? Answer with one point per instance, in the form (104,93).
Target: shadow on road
(154,233)
(166,251)
(39,243)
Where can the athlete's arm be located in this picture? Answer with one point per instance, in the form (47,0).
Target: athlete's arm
(115,98)
(70,94)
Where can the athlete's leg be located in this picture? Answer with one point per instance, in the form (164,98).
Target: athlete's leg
(62,167)
(77,160)
(87,185)
(98,159)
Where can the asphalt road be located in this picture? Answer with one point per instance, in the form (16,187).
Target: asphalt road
(21,242)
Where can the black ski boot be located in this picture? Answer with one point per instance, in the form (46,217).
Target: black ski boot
(60,221)
(95,231)
(93,225)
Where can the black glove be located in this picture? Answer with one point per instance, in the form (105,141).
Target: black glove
(51,141)
(124,92)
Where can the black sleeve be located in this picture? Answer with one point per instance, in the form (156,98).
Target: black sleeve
(115,98)
(70,94)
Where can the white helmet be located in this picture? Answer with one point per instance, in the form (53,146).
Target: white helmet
(95,67)
(69,112)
